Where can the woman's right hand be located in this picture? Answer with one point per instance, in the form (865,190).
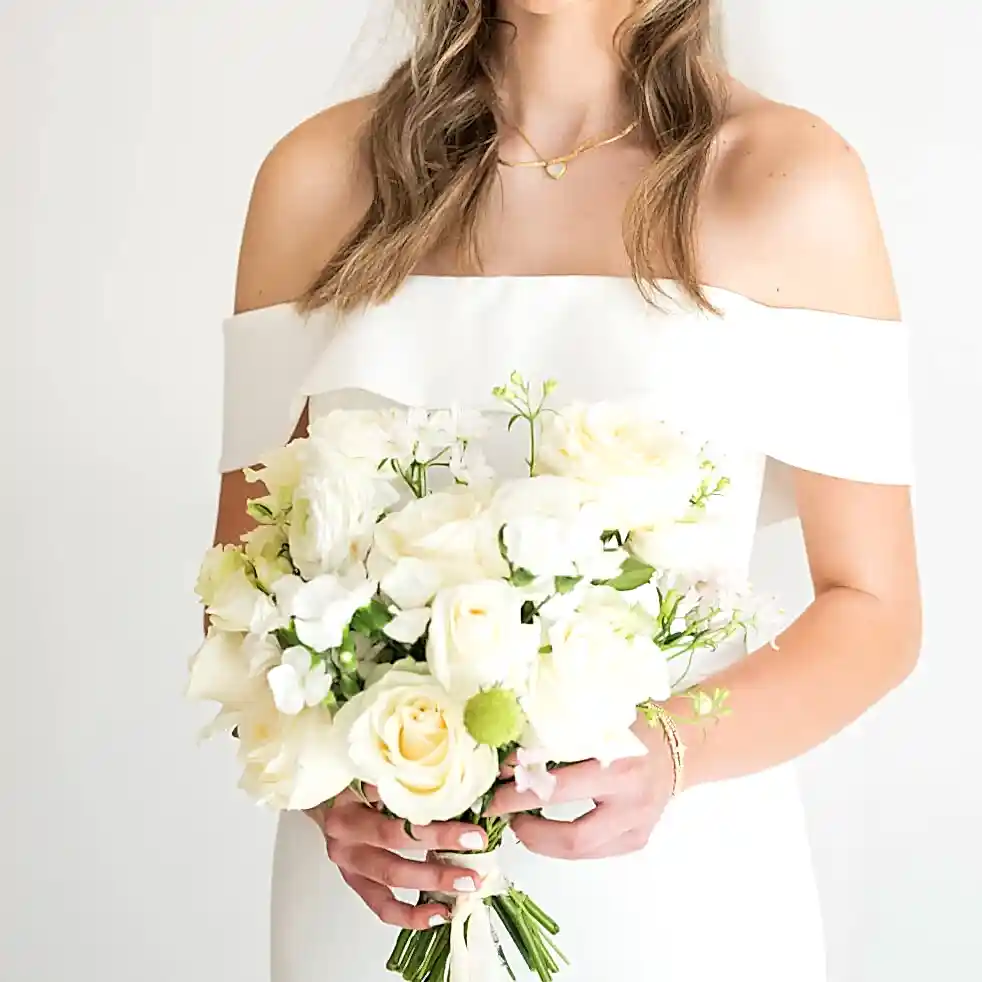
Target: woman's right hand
(361,840)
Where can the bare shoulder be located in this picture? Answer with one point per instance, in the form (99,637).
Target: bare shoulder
(790,217)
(311,190)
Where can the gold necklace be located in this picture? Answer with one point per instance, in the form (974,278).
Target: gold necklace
(556,167)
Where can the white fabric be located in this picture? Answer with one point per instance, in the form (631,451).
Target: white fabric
(724,888)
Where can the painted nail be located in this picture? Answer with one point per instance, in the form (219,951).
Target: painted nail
(436,920)
(472,840)
(464,885)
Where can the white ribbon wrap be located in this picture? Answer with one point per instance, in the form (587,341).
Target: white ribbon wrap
(473,950)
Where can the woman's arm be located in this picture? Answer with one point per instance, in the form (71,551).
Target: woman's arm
(802,232)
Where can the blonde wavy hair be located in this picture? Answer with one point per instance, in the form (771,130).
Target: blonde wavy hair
(431,143)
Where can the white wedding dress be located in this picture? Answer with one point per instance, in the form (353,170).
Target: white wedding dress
(724,890)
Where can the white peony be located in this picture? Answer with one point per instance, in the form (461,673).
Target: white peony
(234,602)
(643,472)
(322,608)
(335,507)
(477,639)
(434,542)
(298,681)
(406,735)
(291,762)
(584,696)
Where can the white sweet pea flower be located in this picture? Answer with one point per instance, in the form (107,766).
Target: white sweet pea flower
(280,473)
(477,639)
(298,681)
(228,589)
(229,668)
(457,425)
(408,626)
(552,528)
(335,507)
(584,696)
(433,542)
(322,608)
(406,735)
(532,774)
(291,762)
(642,472)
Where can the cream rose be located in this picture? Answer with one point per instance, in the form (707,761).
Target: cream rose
(434,542)
(644,472)
(406,735)
(477,639)
(686,547)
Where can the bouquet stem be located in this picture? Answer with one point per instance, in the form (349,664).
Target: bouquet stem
(447,952)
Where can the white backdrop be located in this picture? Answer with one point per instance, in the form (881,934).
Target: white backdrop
(131,134)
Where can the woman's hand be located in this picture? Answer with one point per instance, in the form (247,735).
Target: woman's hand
(361,840)
(630,795)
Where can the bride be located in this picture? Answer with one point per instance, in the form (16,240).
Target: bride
(577,188)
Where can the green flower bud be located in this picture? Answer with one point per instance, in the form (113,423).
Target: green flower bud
(494,717)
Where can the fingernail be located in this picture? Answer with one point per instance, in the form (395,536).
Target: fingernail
(464,885)
(436,920)
(472,840)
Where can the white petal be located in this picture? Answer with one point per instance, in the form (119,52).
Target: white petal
(287,689)
(317,685)
(298,658)
(408,625)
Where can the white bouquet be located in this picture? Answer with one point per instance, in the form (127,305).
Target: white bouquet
(381,627)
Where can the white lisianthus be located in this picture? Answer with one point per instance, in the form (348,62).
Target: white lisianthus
(322,608)
(335,507)
(643,472)
(298,681)
(229,668)
(280,473)
(477,639)
(231,596)
(264,547)
(406,735)
(584,696)
(441,540)
(291,762)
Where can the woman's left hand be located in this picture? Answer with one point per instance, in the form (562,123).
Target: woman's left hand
(630,797)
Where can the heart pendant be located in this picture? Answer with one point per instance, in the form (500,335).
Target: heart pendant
(556,169)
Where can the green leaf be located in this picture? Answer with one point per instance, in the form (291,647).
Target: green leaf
(407,827)
(634,573)
(371,619)
(565,584)
(521,577)
(260,512)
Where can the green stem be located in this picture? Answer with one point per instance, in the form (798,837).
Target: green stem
(395,962)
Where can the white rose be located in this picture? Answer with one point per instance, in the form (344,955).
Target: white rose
(685,547)
(477,639)
(406,735)
(265,548)
(552,528)
(584,696)
(291,762)
(322,608)
(358,434)
(433,542)
(644,472)
(233,600)
(335,507)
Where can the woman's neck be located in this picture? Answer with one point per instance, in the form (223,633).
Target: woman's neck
(558,76)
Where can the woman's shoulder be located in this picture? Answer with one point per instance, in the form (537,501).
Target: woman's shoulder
(790,213)
(311,190)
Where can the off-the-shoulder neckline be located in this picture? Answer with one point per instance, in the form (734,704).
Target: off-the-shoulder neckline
(539,279)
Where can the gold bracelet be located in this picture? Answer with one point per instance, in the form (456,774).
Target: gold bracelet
(675,745)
